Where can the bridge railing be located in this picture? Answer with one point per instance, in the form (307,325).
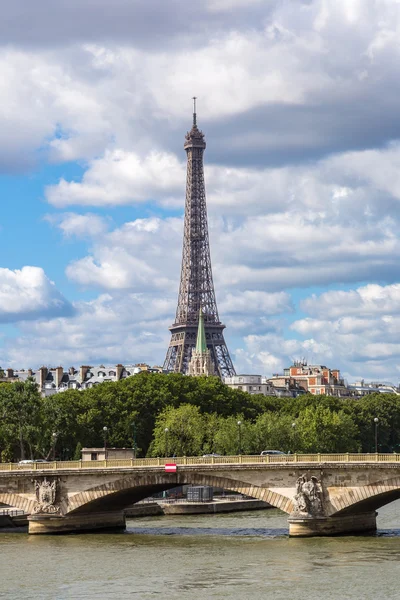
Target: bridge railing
(203,460)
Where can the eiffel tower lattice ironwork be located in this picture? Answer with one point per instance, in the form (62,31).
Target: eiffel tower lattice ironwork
(196,286)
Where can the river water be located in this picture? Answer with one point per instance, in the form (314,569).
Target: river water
(245,556)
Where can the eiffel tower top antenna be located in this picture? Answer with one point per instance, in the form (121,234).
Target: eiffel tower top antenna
(194,111)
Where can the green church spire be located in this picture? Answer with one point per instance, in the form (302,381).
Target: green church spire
(201,344)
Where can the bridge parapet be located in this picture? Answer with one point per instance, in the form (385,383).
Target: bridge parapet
(279,459)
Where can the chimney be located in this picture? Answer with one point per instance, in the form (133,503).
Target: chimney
(10,373)
(82,372)
(119,369)
(30,372)
(59,375)
(71,370)
(42,376)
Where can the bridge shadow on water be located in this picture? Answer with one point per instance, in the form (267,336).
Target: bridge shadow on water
(210,531)
(238,532)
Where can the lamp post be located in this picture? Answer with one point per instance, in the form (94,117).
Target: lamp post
(54,437)
(239,424)
(134,440)
(105,431)
(294,435)
(376,421)
(166,441)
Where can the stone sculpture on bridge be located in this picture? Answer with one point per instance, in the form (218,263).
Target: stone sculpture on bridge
(308,498)
(46,497)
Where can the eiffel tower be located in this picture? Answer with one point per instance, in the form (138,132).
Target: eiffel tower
(196,289)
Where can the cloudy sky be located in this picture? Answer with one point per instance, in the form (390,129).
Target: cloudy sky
(299,102)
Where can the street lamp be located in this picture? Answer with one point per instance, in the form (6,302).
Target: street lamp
(54,437)
(239,423)
(105,431)
(294,435)
(376,421)
(166,441)
(134,440)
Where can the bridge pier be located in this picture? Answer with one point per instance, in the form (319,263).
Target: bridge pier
(75,523)
(325,526)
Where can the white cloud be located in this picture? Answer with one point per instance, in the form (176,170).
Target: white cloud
(121,178)
(44,103)
(361,328)
(100,91)
(79,226)
(368,300)
(357,331)
(121,328)
(142,255)
(271,353)
(28,294)
(258,302)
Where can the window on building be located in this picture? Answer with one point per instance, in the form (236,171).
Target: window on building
(93,456)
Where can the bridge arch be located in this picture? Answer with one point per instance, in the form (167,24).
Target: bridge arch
(127,490)
(364,498)
(17,501)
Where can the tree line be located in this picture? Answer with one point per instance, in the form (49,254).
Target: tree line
(179,415)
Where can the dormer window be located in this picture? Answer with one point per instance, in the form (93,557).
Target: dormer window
(112,373)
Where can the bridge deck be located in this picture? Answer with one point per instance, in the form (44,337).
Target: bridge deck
(284,459)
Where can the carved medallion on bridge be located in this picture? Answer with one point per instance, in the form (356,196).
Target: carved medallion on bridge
(46,496)
(308,498)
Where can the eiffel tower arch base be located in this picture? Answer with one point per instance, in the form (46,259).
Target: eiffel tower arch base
(183,341)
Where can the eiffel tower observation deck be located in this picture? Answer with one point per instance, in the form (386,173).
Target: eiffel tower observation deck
(196,290)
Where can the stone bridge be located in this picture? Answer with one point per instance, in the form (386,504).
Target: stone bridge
(322,494)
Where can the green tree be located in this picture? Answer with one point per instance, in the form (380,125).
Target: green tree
(178,432)
(78,452)
(386,407)
(273,431)
(322,430)
(21,408)
(232,438)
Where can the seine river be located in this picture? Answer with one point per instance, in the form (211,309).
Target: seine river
(245,556)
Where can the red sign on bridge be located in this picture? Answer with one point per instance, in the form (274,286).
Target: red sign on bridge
(170,468)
